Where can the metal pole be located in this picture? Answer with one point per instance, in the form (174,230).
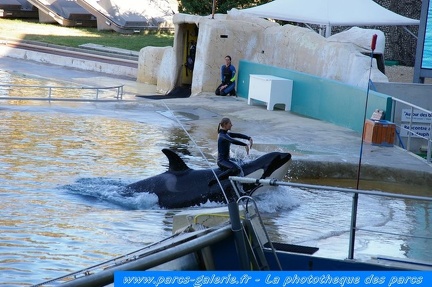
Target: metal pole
(355,197)
(409,130)
(353,226)
(237,228)
(429,145)
(365,109)
(213,8)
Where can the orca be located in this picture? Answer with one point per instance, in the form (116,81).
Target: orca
(181,186)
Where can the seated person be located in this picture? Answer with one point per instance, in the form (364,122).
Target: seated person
(228,75)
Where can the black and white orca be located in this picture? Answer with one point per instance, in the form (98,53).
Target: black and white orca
(181,186)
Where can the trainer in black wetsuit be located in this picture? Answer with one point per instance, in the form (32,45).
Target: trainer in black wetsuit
(225,139)
(228,76)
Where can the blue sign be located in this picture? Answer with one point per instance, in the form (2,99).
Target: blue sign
(273,278)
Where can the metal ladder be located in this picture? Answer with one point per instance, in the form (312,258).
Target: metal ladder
(255,235)
(255,251)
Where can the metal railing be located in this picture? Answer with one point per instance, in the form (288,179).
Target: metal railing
(410,130)
(50,90)
(355,200)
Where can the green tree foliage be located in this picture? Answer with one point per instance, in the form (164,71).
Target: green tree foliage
(200,7)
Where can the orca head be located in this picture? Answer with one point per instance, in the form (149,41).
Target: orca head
(271,165)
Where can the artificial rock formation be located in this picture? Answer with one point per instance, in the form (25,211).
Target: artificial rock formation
(254,39)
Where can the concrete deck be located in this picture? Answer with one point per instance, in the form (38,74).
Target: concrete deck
(319,149)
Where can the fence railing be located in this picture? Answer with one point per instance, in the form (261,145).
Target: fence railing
(51,93)
(419,126)
(354,204)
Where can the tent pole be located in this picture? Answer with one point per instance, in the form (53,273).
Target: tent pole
(409,32)
(328,30)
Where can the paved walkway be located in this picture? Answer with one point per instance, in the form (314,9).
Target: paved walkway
(318,148)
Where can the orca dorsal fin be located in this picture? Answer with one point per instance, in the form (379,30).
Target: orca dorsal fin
(175,162)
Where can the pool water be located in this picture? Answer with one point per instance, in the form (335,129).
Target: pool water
(62,166)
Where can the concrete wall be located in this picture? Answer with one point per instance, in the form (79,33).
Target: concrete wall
(417,94)
(67,61)
(320,98)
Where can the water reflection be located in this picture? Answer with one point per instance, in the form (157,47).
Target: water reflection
(61,143)
(421,227)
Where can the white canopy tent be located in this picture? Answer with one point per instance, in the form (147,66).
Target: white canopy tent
(330,13)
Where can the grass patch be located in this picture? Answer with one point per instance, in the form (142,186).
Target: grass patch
(73,37)
(110,39)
